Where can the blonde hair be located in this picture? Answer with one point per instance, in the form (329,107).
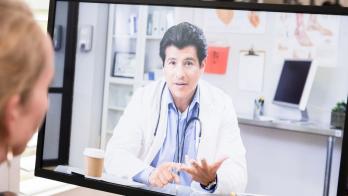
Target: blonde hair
(21,53)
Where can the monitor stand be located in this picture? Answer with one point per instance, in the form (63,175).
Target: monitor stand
(304,120)
(304,116)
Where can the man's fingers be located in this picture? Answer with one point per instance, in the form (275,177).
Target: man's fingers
(167,175)
(176,178)
(162,179)
(195,164)
(218,163)
(188,169)
(164,174)
(172,165)
(156,181)
(204,164)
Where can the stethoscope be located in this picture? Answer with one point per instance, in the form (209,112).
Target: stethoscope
(180,148)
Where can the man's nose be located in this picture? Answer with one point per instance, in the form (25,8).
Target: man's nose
(180,71)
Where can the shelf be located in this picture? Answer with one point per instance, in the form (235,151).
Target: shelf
(110,132)
(300,127)
(146,82)
(124,36)
(120,80)
(112,119)
(154,37)
(121,109)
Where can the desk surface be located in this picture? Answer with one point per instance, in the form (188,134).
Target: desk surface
(302,127)
(171,189)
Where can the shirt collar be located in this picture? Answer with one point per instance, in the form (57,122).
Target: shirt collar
(194,102)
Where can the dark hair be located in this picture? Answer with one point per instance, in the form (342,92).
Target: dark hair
(182,35)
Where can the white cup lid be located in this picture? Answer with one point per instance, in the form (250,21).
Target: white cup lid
(94,152)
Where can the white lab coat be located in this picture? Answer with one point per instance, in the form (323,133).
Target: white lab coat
(133,145)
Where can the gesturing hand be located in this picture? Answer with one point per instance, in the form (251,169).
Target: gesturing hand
(164,174)
(201,171)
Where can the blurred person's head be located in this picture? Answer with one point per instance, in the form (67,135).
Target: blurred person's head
(26,71)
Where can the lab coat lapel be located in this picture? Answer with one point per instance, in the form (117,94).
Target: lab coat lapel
(207,119)
(161,131)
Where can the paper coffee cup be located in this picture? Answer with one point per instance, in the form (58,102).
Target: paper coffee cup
(94,161)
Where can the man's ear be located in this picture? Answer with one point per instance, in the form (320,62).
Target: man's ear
(203,63)
(11,114)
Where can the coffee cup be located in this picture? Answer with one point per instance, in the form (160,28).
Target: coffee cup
(94,162)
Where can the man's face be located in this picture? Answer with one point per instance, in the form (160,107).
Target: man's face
(182,71)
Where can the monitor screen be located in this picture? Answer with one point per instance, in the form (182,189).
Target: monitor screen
(294,77)
(159,98)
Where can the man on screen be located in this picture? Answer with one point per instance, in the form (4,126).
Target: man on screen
(181,129)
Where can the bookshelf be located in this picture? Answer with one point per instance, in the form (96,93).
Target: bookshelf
(133,60)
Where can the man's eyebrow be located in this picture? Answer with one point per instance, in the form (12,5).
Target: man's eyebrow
(190,59)
(171,58)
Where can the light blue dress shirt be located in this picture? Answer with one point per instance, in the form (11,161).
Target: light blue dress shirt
(176,144)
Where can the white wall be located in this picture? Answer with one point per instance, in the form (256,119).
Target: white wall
(88,86)
(330,84)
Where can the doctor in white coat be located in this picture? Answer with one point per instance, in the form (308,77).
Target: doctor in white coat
(180,129)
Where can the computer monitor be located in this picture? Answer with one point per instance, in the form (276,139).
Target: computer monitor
(109,54)
(294,85)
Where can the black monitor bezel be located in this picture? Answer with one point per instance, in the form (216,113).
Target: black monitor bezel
(226,4)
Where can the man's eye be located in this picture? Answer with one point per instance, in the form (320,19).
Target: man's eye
(188,63)
(171,63)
